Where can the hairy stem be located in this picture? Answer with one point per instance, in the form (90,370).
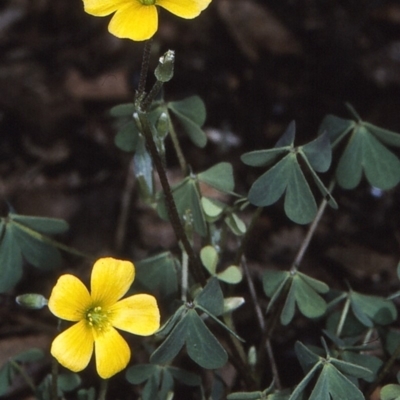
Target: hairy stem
(144,69)
(194,264)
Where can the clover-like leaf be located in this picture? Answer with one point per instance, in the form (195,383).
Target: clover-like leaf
(231,275)
(365,152)
(10,260)
(25,236)
(211,298)
(123,110)
(235,224)
(370,310)
(270,186)
(191,113)
(286,176)
(127,137)
(47,226)
(171,346)
(219,176)
(159,273)
(185,377)
(367,361)
(202,345)
(140,373)
(188,203)
(302,290)
(333,382)
(318,153)
(390,392)
(37,252)
(209,257)
(336,128)
(213,208)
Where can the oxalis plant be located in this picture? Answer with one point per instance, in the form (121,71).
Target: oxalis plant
(194,284)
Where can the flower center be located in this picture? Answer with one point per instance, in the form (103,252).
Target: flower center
(98,318)
(148,2)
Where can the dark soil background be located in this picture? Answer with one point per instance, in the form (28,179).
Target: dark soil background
(257,65)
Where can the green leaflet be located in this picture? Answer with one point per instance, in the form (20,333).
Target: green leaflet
(191,113)
(333,381)
(159,273)
(21,237)
(301,290)
(202,346)
(365,152)
(287,178)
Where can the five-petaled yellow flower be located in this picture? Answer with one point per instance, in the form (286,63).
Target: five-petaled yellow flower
(98,314)
(138,19)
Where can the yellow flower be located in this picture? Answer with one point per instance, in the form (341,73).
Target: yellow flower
(98,314)
(138,19)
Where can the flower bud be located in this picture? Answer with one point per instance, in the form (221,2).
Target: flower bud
(165,68)
(32,301)
(232,303)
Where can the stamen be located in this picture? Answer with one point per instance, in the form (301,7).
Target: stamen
(98,318)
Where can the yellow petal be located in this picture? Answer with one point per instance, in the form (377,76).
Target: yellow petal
(69,299)
(138,314)
(73,348)
(184,8)
(135,22)
(110,280)
(100,8)
(112,353)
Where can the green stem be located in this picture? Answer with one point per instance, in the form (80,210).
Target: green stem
(306,242)
(125,207)
(177,147)
(103,389)
(261,323)
(343,317)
